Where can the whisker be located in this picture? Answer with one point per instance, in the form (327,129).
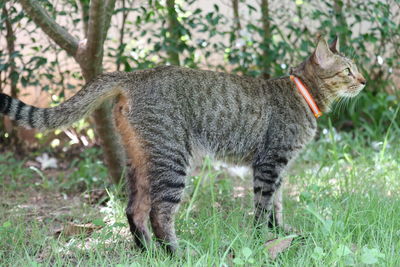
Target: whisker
(339,105)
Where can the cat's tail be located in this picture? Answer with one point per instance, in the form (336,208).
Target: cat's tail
(78,106)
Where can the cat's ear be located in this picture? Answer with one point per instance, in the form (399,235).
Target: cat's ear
(334,46)
(322,55)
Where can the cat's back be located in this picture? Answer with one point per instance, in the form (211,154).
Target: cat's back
(170,81)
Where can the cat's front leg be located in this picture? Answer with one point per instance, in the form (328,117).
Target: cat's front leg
(267,169)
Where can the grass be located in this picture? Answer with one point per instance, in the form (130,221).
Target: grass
(341,195)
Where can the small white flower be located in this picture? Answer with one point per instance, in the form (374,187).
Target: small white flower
(376,145)
(240,43)
(380,60)
(245,33)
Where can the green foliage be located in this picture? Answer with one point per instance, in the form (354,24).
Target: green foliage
(88,173)
(370,112)
(14,174)
(36,68)
(244,257)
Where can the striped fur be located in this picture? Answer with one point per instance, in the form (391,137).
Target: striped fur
(78,106)
(166,114)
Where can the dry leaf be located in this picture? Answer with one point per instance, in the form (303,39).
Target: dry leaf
(278,245)
(31,163)
(72,229)
(46,161)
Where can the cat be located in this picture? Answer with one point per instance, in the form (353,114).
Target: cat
(165,114)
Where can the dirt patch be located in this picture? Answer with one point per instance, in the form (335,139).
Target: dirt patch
(39,206)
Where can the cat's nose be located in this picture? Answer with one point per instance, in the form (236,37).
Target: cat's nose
(362,80)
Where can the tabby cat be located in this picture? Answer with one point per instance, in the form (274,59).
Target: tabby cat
(164,115)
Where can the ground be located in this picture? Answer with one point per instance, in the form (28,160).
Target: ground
(341,197)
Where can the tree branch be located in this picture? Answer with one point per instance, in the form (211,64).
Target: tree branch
(10,38)
(57,33)
(236,18)
(266,39)
(91,64)
(110,6)
(93,55)
(173,29)
(13,76)
(341,22)
(121,35)
(85,15)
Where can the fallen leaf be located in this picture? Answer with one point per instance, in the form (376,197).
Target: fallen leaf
(31,163)
(71,229)
(278,245)
(46,161)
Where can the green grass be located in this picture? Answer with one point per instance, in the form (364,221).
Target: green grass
(341,195)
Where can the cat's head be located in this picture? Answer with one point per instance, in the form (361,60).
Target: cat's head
(333,74)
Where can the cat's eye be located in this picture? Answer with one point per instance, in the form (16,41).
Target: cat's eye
(347,71)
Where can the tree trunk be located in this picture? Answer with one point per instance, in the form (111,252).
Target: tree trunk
(13,78)
(89,55)
(266,39)
(91,65)
(174,35)
(340,22)
(237,27)
(121,45)
(85,15)
(236,18)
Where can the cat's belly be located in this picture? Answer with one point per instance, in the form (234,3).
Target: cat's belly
(235,158)
(236,155)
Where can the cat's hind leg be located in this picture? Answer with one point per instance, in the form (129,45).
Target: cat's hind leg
(168,174)
(138,208)
(139,203)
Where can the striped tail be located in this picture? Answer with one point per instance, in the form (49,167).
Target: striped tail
(78,106)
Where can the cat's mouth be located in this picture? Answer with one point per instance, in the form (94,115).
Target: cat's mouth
(352,91)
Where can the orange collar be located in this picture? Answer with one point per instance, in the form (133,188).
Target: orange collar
(309,99)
